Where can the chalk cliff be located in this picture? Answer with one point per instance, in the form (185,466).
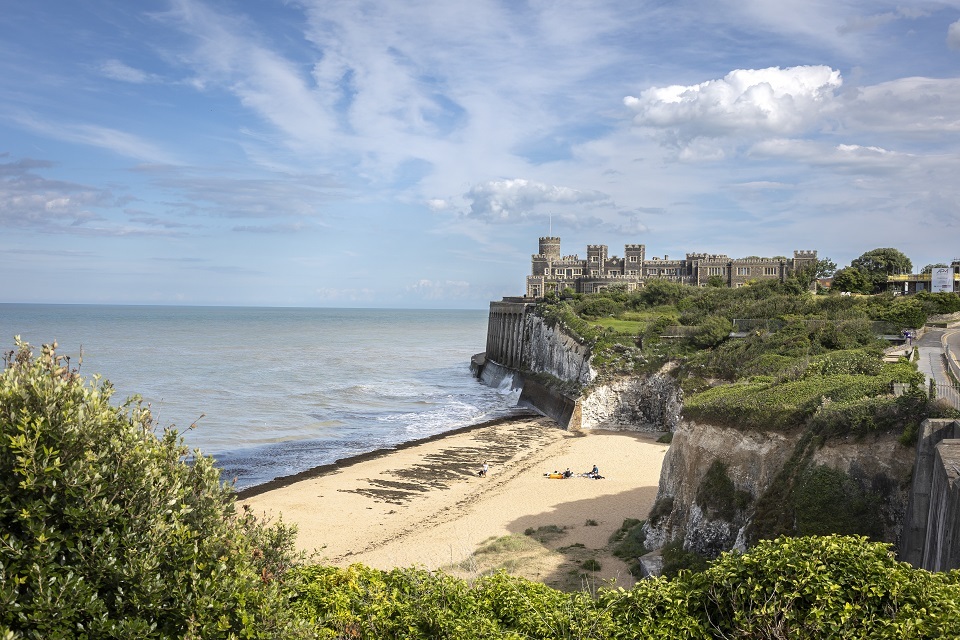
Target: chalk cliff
(723,488)
(720,488)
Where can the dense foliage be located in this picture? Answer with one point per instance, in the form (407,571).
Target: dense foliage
(794,359)
(106,531)
(836,587)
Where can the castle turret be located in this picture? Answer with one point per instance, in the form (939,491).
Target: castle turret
(550,247)
(596,258)
(633,257)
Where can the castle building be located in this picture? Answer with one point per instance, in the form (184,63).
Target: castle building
(552,271)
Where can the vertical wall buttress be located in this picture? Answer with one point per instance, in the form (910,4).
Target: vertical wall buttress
(505,342)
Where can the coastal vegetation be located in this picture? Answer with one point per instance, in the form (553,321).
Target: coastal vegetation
(812,587)
(767,356)
(109,528)
(106,530)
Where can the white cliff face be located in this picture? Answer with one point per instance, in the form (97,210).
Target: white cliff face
(649,403)
(552,351)
(753,460)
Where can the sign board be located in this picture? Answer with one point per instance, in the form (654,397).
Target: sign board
(941,280)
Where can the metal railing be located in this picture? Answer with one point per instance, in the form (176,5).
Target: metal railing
(947,392)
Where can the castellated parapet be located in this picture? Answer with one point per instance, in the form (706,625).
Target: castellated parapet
(550,246)
(598,271)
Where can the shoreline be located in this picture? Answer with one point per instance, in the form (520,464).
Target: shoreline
(424,504)
(342,463)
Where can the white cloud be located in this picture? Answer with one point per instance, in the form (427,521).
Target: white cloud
(905,105)
(119,142)
(116,70)
(519,198)
(438,205)
(773,100)
(953,36)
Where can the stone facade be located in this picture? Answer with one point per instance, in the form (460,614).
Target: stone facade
(552,271)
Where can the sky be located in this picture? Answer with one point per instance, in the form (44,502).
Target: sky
(327,153)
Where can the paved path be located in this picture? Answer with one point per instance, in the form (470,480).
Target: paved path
(931,357)
(933,365)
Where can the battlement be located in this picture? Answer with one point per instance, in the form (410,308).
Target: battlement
(554,272)
(756,260)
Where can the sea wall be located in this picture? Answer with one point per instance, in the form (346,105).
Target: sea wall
(931,536)
(714,480)
(548,365)
(554,372)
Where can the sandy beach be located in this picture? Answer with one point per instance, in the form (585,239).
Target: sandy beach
(425,504)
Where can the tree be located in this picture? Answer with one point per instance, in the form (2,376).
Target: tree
(825,268)
(852,280)
(880,263)
(106,531)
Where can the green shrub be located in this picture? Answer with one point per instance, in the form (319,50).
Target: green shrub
(107,532)
(599,306)
(711,332)
(825,587)
(717,496)
(829,587)
(677,559)
(661,508)
(827,501)
(591,564)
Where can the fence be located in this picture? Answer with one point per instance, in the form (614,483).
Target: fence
(948,392)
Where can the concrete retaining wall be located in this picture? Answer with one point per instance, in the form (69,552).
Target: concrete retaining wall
(927,541)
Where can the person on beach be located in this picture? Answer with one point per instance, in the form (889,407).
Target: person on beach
(568,473)
(483,470)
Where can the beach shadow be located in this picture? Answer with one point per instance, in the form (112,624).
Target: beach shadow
(583,542)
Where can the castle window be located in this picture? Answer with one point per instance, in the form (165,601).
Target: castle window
(651,272)
(577,272)
(715,271)
(594,258)
(633,258)
(743,271)
(769,271)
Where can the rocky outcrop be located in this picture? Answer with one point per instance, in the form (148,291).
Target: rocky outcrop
(648,403)
(715,482)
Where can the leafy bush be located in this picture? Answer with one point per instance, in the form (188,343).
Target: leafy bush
(829,501)
(717,496)
(677,559)
(834,586)
(711,332)
(630,539)
(107,532)
(599,306)
(829,587)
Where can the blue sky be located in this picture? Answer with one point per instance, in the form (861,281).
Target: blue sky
(410,153)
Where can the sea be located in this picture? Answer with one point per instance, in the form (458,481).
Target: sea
(273,392)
